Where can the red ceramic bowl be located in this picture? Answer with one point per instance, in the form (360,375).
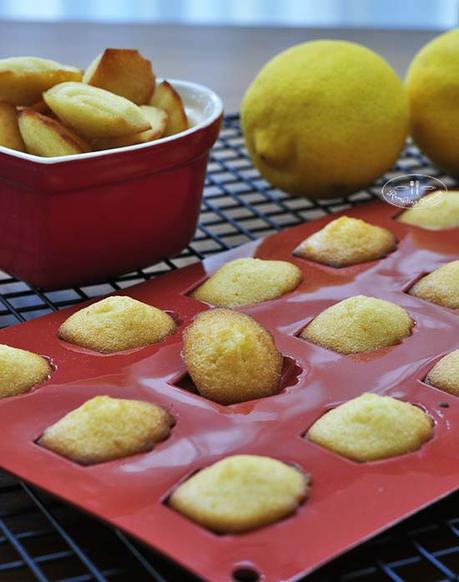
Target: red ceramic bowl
(80,219)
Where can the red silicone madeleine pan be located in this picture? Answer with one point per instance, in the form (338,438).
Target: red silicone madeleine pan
(348,501)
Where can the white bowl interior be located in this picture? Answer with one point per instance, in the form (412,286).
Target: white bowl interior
(202,107)
(199,105)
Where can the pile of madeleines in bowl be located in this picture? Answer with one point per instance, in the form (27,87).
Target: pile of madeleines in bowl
(49,109)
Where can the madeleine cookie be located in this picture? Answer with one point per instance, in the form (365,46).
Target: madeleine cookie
(20,371)
(93,112)
(359,324)
(246,281)
(439,211)
(23,79)
(347,241)
(47,137)
(104,428)
(10,136)
(231,358)
(241,493)
(115,324)
(441,286)
(165,97)
(158,121)
(445,374)
(124,72)
(372,427)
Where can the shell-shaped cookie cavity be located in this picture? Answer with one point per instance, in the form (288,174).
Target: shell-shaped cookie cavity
(441,286)
(241,493)
(115,324)
(246,281)
(347,241)
(372,427)
(105,428)
(231,358)
(438,211)
(445,374)
(21,370)
(359,324)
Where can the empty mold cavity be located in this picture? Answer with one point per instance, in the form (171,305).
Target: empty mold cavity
(291,371)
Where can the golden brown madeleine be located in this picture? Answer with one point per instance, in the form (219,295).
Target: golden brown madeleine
(241,493)
(439,211)
(21,370)
(10,136)
(246,281)
(359,324)
(158,121)
(115,324)
(23,79)
(124,72)
(347,241)
(441,286)
(445,374)
(104,428)
(94,112)
(372,427)
(230,357)
(47,137)
(166,97)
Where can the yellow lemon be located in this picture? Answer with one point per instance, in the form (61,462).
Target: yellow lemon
(432,82)
(325,118)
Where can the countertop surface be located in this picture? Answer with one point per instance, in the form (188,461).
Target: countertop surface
(224,58)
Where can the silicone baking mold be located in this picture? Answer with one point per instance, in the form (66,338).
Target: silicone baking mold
(348,501)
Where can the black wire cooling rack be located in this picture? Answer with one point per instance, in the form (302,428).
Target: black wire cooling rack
(43,539)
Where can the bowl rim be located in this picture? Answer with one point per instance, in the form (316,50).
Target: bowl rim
(216,112)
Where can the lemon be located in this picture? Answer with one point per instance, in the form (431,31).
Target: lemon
(432,83)
(325,118)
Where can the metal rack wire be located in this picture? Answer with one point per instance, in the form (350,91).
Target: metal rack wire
(45,540)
